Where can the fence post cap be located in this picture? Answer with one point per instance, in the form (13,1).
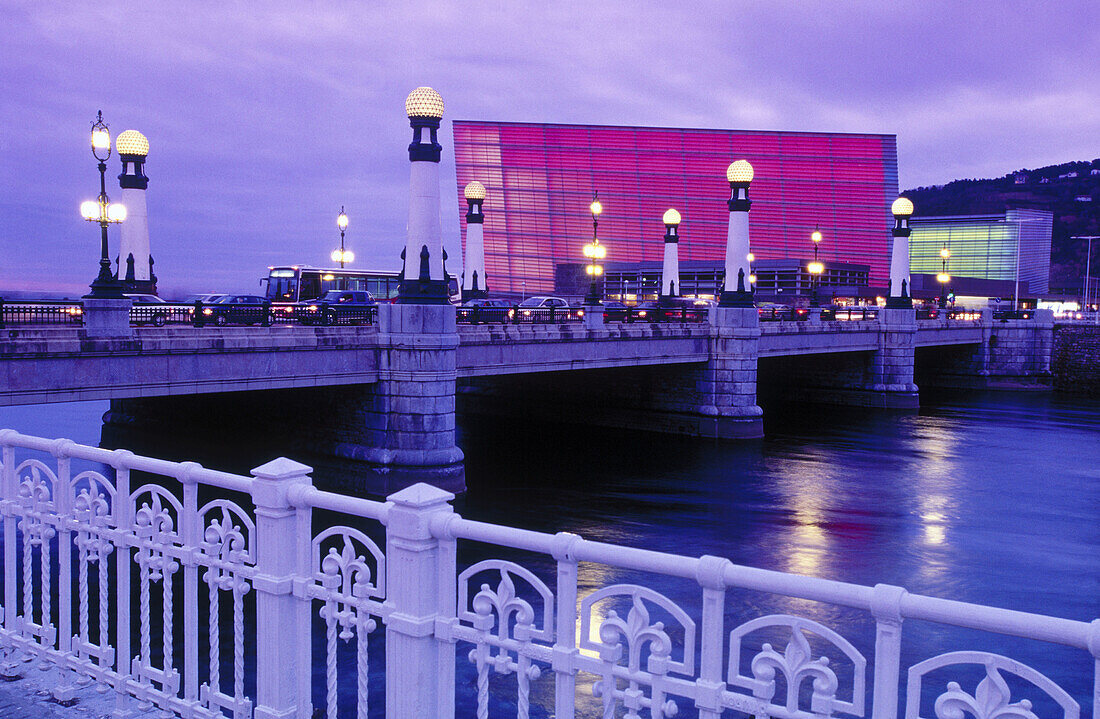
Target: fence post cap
(420,495)
(281,468)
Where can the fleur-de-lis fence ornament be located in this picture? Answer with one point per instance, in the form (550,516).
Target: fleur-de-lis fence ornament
(35,497)
(797,665)
(514,620)
(347,584)
(92,514)
(627,638)
(992,697)
(155,529)
(227,554)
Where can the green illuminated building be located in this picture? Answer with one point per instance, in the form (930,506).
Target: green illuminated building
(1015,245)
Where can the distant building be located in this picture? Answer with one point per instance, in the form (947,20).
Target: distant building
(540,179)
(1021,178)
(1067,175)
(1083,198)
(1094,172)
(1044,181)
(991,247)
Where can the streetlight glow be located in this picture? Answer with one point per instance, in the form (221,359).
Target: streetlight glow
(739,172)
(116,212)
(943,278)
(816,236)
(671,217)
(902,207)
(596,207)
(342,221)
(89,210)
(945,253)
(815,268)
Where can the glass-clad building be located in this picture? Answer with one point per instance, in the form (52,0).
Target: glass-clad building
(986,246)
(540,179)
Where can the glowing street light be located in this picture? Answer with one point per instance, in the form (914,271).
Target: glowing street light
(341,255)
(943,278)
(101,211)
(594,252)
(815,269)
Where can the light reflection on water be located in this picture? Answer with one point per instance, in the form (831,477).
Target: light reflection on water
(984,498)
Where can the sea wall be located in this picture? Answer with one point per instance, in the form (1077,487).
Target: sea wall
(1076,359)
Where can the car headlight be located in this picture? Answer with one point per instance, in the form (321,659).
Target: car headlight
(207,311)
(641,313)
(313,308)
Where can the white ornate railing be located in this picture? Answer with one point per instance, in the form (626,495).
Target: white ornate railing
(178,591)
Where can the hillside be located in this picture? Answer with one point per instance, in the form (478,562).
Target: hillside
(1045,188)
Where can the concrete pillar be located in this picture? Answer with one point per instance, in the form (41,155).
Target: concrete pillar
(670,270)
(736,291)
(900,291)
(474,285)
(891,370)
(133,148)
(410,432)
(424,280)
(107,319)
(726,386)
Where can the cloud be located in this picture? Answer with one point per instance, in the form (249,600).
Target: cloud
(265,118)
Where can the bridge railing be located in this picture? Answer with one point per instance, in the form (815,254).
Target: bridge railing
(40,312)
(267,576)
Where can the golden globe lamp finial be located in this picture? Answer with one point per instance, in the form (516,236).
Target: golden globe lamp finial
(902,207)
(132,142)
(424,102)
(671,216)
(474,191)
(739,172)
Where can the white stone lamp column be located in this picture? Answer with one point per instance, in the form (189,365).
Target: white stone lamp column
(736,291)
(424,279)
(670,270)
(134,255)
(474,285)
(900,293)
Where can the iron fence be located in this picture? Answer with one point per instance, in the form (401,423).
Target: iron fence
(41,312)
(248,571)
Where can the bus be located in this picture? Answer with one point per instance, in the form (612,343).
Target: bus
(296,283)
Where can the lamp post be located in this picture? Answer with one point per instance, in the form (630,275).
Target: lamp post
(341,255)
(595,252)
(424,276)
(815,269)
(734,292)
(943,278)
(670,268)
(474,283)
(899,298)
(106,285)
(1085,289)
(752,273)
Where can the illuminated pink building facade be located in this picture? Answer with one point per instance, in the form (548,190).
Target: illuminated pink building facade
(540,179)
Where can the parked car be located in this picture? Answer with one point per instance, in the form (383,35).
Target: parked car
(206,298)
(144,310)
(543,301)
(486,309)
(336,307)
(614,311)
(236,309)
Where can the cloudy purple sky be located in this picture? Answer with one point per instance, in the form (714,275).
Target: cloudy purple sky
(263,118)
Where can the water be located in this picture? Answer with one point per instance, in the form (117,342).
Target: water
(986,498)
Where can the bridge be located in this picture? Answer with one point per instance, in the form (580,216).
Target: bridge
(386,393)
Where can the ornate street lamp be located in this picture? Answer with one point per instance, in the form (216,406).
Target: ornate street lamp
(943,278)
(595,252)
(106,285)
(815,269)
(752,273)
(341,255)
